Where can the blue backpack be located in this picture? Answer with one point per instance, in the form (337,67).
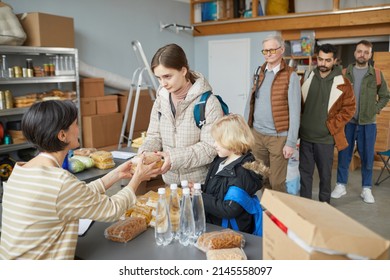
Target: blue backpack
(251,204)
(200,108)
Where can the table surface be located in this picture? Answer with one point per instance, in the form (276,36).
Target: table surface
(94,246)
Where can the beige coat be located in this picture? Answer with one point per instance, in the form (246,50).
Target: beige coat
(190,148)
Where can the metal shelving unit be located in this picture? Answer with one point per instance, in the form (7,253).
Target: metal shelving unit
(16,56)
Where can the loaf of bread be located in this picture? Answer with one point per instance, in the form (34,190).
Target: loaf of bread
(148,159)
(125,230)
(84,151)
(222,239)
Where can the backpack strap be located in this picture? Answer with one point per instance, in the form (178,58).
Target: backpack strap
(378,77)
(200,109)
(251,204)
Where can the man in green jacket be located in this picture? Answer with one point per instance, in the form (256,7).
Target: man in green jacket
(372,95)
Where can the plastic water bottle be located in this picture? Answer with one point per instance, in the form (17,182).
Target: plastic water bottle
(198,210)
(162,229)
(184,184)
(174,211)
(187,224)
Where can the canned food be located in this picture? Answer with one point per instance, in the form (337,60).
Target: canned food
(9,101)
(11,72)
(2,100)
(18,72)
(30,73)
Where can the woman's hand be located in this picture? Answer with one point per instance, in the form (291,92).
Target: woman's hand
(123,171)
(167,162)
(143,172)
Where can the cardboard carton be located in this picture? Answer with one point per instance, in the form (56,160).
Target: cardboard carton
(304,229)
(142,118)
(91,87)
(45,30)
(99,105)
(101,130)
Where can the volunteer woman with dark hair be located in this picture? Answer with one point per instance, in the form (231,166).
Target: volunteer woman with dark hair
(42,202)
(187,150)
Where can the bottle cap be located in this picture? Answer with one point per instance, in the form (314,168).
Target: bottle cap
(173,186)
(184,183)
(197,186)
(161,190)
(186,191)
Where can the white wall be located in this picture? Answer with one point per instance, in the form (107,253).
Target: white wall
(104,29)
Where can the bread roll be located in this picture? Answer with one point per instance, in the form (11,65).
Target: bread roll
(148,159)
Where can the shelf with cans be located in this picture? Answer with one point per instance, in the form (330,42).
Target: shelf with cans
(29,75)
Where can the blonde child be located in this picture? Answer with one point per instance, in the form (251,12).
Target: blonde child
(234,177)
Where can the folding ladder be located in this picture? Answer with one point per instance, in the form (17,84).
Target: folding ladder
(143,78)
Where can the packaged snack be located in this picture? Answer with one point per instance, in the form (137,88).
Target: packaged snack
(222,239)
(226,254)
(103,159)
(101,156)
(125,230)
(84,151)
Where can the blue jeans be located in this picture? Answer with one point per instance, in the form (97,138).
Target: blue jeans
(365,137)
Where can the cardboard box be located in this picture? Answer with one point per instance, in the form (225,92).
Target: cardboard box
(45,30)
(91,87)
(87,106)
(101,130)
(99,105)
(107,104)
(315,230)
(142,118)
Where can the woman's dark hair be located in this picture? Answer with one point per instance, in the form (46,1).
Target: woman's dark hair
(44,120)
(172,56)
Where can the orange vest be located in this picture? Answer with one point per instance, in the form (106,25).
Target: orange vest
(279,96)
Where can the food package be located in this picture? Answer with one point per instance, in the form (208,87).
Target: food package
(125,230)
(103,159)
(222,239)
(75,165)
(84,151)
(149,158)
(87,161)
(226,254)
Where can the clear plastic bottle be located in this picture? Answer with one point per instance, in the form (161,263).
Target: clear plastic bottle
(187,224)
(162,229)
(174,211)
(198,210)
(184,184)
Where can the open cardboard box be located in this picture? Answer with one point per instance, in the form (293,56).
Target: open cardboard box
(303,229)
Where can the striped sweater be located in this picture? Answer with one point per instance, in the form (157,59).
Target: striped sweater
(42,207)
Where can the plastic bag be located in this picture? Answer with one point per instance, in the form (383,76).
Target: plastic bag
(222,239)
(293,180)
(11,31)
(125,230)
(226,254)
